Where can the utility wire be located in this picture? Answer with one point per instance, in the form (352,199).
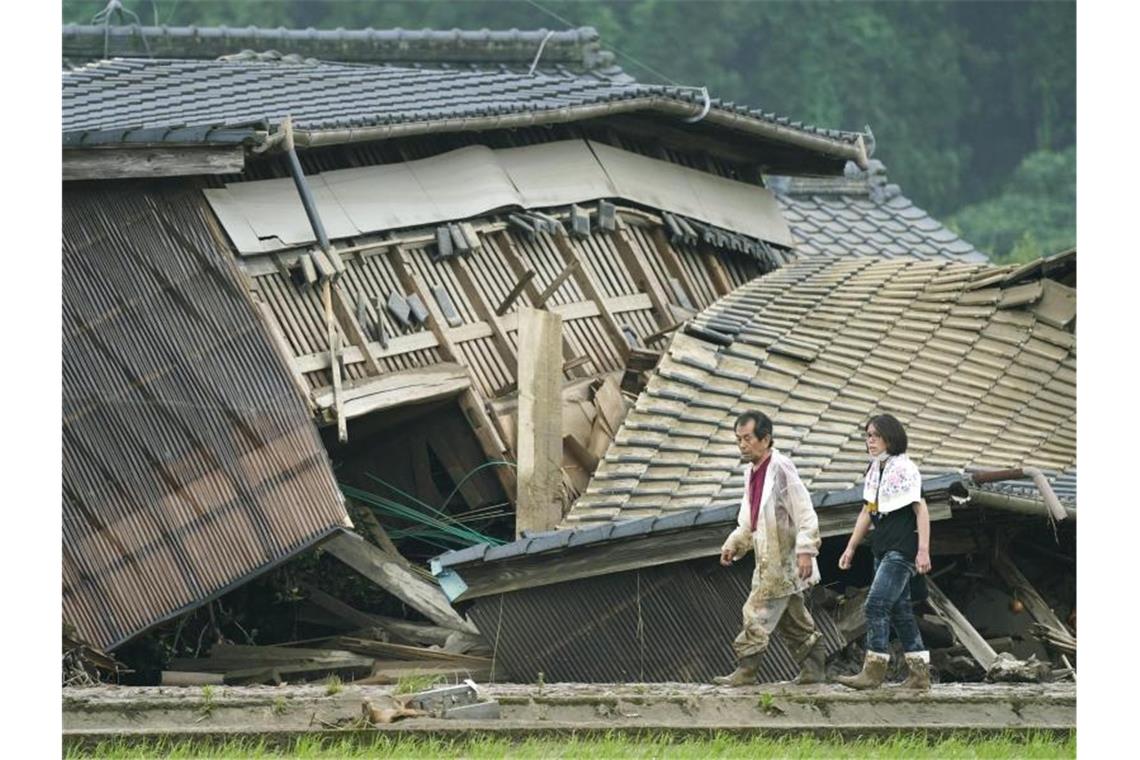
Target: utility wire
(572,25)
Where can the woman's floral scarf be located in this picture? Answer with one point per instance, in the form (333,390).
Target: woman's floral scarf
(901,485)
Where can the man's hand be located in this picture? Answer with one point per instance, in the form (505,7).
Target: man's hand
(726,556)
(803,562)
(846,559)
(922,561)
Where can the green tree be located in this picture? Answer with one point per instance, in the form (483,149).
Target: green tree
(1033,216)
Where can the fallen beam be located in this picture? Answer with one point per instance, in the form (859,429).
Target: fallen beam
(386,572)
(966,634)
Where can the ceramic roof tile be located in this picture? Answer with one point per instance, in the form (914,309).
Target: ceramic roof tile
(967,390)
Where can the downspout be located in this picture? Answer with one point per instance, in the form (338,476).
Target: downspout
(1053,505)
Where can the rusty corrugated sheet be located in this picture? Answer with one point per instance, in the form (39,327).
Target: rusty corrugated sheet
(665,623)
(189,460)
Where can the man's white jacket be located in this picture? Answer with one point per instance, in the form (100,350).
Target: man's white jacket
(786,526)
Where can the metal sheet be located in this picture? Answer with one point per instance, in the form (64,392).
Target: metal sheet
(189,459)
(667,623)
(737,206)
(476,180)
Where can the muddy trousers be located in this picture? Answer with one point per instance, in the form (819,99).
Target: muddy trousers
(786,614)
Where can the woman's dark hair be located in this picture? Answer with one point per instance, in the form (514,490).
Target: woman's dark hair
(762,425)
(892,431)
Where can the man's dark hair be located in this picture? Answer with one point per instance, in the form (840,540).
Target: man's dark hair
(762,425)
(892,431)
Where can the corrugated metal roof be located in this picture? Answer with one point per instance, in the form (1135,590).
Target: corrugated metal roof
(103,99)
(860,214)
(189,459)
(666,623)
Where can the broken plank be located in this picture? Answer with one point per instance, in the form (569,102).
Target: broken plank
(392,671)
(380,568)
(539,421)
(1023,590)
(423,634)
(381,649)
(347,322)
(966,634)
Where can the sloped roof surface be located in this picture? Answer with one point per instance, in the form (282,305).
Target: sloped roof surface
(105,100)
(190,462)
(571,51)
(978,362)
(861,214)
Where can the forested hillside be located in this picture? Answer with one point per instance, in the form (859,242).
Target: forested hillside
(972,104)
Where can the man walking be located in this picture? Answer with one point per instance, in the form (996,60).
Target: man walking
(777,522)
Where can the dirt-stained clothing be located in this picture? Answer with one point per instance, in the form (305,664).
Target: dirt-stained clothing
(787,526)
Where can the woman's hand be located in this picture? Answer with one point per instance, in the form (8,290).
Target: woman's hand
(922,561)
(845,560)
(726,556)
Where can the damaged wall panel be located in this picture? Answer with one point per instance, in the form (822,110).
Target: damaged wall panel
(189,459)
(667,623)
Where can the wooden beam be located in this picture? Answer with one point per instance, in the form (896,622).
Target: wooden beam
(483,308)
(589,286)
(120,163)
(436,322)
(673,265)
(346,320)
(487,434)
(400,344)
(516,291)
(553,287)
(379,567)
(515,262)
(334,361)
(1038,608)
(413,633)
(720,280)
(966,634)
(539,421)
(643,278)
(392,389)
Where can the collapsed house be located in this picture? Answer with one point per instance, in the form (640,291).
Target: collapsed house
(416,277)
(979,361)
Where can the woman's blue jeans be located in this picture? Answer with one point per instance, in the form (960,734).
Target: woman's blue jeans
(888,603)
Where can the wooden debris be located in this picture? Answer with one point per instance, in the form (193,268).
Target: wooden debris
(978,647)
(387,572)
(539,421)
(189,678)
(261,664)
(516,291)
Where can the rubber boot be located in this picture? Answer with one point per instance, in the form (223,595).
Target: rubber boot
(871,676)
(745,674)
(813,669)
(919,676)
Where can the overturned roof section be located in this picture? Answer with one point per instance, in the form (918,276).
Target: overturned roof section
(189,459)
(570,51)
(135,101)
(978,362)
(861,214)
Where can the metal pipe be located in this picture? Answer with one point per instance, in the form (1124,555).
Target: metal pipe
(1050,498)
(1017,504)
(302,184)
(855,151)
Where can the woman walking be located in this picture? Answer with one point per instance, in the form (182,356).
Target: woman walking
(900,541)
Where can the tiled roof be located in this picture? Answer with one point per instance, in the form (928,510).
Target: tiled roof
(576,51)
(105,101)
(1064,486)
(596,533)
(978,362)
(861,214)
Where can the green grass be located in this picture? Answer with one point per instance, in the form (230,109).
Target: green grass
(897,747)
(415,684)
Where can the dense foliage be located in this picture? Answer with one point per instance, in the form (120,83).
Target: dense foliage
(973,104)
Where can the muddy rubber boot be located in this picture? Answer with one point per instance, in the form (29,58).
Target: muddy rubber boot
(871,676)
(814,668)
(744,675)
(919,676)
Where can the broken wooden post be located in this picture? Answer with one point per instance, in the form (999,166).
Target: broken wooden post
(539,421)
(386,572)
(1053,631)
(969,637)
